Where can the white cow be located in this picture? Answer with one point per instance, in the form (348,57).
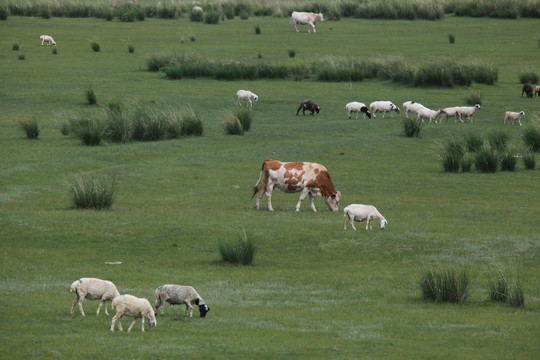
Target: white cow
(305,18)
(47,39)
(246,95)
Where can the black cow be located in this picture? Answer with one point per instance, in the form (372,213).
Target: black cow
(308,105)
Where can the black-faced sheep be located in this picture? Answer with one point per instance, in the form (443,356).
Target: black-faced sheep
(308,105)
(384,107)
(357,107)
(180,294)
(467,112)
(47,39)
(135,307)
(513,116)
(92,289)
(527,89)
(246,95)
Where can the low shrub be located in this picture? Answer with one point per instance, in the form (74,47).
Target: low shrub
(257,29)
(4,12)
(64,128)
(21,57)
(212,17)
(131,49)
(411,127)
(30,127)
(444,284)
(239,252)
(292,53)
(531,137)
(196,16)
(92,192)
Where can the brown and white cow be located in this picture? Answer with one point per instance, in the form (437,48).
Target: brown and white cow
(290,177)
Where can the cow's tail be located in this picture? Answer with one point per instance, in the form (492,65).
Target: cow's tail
(259,183)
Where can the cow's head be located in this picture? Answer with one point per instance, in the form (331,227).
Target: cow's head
(203,309)
(332,201)
(383,223)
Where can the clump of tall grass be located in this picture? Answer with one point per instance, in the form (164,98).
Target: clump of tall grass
(257,29)
(531,137)
(498,139)
(196,16)
(508,162)
(90,95)
(15,45)
(55,51)
(212,17)
(451,38)
(192,123)
(530,77)
(291,52)
(444,284)
(21,57)
(131,49)
(118,126)
(4,12)
(95,46)
(529,160)
(30,127)
(89,191)
(411,127)
(233,126)
(245,117)
(240,252)
(452,155)
(486,159)
(473,142)
(466,163)
(506,290)
(474,97)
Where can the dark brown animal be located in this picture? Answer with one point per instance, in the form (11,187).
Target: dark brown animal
(308,105)
(527,89)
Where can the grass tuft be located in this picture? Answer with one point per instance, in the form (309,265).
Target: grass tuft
(291,52)
(30,127)
(508,162)
(486,159)
(245,117)
(15,45)
(444,284)
(531,137)
(92,192)
(90,95)
(506,290)
(241,252)
(411,127)
(95,46)
(475,97)
(529,160)
(451,38)
(192,123)
(131,49)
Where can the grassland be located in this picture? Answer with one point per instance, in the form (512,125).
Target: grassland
(313,291)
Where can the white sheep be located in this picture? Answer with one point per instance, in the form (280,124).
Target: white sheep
(47,39)
(197,8)
(426,113)
(449,112)
(412,107)
(467,112)
(93,289)
(513,116)
(180,294)
(135,307)
(246,95)
(384,107)
(537,90)
(359,213)
(357,107)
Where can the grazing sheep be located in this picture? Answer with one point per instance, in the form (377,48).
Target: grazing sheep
(527,89)
(135,307)
(359,212)
(180,294)
(308,105)
(449,112)
(537,90)
(384,107)
(412,107)
(426,113)
(93,289)
(47,39)
(358,108)
(246,95)
(513,116)
(467,111)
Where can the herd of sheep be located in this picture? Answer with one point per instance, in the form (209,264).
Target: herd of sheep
(132,306)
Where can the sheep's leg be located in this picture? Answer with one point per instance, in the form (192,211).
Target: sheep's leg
(74,303)
(352,224)
(133,323)
(81,299)
(117,319)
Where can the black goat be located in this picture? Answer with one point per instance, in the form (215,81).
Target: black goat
(308,105)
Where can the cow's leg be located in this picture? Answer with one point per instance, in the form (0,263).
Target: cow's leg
(303,195)
(269,190)
(312,201)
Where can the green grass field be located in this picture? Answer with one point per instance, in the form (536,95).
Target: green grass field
(314,291)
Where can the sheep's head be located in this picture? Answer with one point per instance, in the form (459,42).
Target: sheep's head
(151,323)
(365,110)
(317,108)
(395,108)
(255,97)
(383,223)
(203,309)
(332,201)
